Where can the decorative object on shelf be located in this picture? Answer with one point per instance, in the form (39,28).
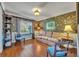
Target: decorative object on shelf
(36,11)
(68,29)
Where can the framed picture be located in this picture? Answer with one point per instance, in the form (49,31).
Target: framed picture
(50,25)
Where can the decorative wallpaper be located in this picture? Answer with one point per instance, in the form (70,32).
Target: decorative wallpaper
(61,21)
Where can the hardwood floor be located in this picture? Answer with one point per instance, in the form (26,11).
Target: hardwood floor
(31,48)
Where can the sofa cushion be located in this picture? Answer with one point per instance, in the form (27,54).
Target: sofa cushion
(18,35)
(49,34)
(43,33)
(39,36)
(40,33)
(44,37)
(52,39)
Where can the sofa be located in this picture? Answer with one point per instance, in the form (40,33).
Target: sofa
(50,38)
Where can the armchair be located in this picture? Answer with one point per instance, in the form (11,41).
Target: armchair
(56,51)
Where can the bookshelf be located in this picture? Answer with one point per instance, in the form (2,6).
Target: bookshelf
(7,31)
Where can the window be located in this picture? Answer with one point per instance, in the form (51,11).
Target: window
(26,26)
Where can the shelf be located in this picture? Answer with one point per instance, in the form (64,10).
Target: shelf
(8,23)
(7,31)
(7,28)
(7,40)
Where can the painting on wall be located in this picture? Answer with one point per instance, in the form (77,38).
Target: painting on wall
(50,25)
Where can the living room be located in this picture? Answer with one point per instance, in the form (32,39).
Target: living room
(32,29)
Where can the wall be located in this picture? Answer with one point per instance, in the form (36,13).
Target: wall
(14,24)
(61,20)
(1,30)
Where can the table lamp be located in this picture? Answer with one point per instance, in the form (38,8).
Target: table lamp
(68,29)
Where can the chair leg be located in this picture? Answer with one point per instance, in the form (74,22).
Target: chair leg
(65,54)
(24,40)
(47,53)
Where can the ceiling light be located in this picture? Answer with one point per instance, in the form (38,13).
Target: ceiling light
(36,11)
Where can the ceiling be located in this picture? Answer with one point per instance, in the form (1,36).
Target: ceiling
(48,9)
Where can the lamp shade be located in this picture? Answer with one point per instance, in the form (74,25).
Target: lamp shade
(68,28)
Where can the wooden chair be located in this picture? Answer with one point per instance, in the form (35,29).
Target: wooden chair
(57,51)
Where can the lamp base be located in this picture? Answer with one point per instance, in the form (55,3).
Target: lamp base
(68,36)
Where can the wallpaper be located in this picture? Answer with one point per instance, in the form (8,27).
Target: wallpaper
(61,21)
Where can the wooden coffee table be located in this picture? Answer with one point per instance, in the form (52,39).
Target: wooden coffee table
(65,39)
(72,51)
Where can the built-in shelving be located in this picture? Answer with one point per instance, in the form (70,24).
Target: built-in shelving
(7,31)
